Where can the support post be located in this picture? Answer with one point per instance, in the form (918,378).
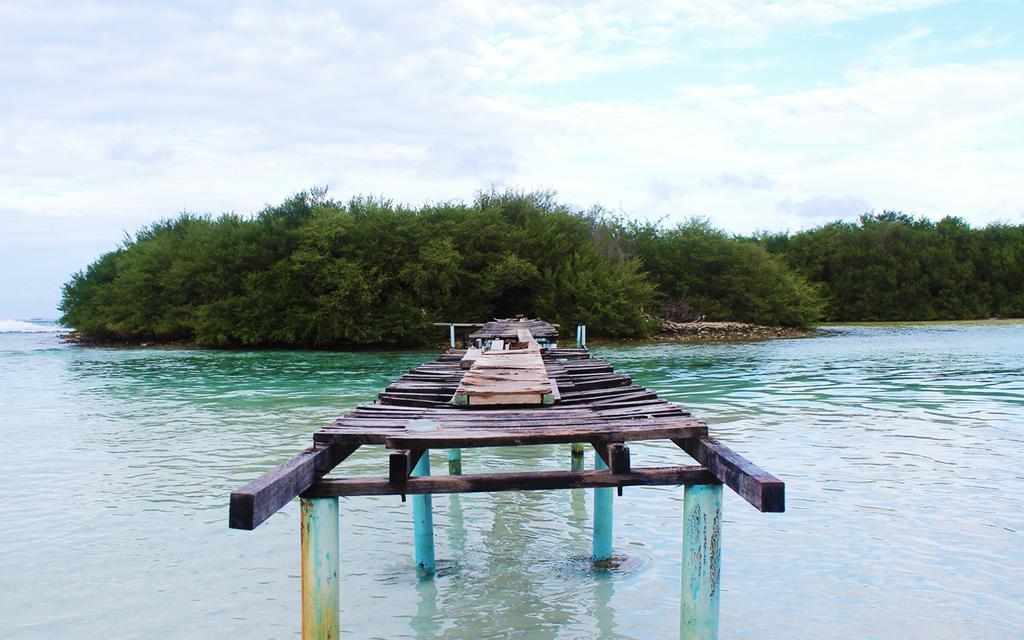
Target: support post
(577,453)
(451,330)
(602,540)
(423,521)
(579,335)
(583,336)
(455,462)
(702,562)
(320,598)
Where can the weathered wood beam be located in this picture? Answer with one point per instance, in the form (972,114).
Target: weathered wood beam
(469,437)
(520,481)
(618,454)
(755,485)
(259,499)
(401,463)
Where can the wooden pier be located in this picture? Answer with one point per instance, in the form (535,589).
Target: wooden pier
(514,387)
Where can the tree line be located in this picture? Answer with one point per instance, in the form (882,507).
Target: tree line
(316,272)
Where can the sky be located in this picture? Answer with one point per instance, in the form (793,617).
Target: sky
(757,115)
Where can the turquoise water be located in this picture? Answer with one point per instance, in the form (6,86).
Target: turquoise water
(902,449)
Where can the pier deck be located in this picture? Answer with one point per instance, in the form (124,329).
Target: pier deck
(596,406)
(514,392)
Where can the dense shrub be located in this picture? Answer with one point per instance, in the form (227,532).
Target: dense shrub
(314,272)
(701,271)
(892,266)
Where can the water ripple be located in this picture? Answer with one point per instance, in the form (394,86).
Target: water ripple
(901,448)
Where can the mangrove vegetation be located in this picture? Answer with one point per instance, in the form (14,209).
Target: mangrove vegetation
(316,272)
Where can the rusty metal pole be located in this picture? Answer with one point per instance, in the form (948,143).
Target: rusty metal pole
(321,601)
(702,562)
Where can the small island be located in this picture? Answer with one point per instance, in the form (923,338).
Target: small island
(314,272)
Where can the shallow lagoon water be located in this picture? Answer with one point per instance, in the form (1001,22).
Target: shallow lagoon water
(902,448)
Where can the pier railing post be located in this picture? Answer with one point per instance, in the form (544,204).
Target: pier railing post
(602,539)
(423,520)
(320,565)
(455,462)
(451,330)
(702,562)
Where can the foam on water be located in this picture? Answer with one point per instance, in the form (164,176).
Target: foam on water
(29,326)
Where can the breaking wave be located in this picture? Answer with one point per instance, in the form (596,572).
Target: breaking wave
(29,326)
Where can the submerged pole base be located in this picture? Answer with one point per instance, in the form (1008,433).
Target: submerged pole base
(320,595)
(702,562)
(423,521)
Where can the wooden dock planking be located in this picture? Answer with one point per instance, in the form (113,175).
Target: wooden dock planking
(421,411)
(508,329)
(596,405)
(506,376)
(469,358)
(489,428)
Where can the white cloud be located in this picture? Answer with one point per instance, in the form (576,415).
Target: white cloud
(119,114)
(826,207)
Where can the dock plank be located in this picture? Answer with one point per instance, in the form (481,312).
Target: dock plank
(761,489)
(259,499)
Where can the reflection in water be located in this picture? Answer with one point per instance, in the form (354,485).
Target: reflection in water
(456,527)
(604,612)
(901,449)
(425,624)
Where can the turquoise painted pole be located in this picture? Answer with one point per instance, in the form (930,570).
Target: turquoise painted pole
(602,541)
(452,335)
(702,562)
(578,451)
(583,335)
(423,520)
(320,598)
(455,462)
(579,335)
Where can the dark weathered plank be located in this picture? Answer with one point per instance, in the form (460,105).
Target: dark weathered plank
(259,499)
(755,485)
(468,437)
(618,453)
(508,328)
(523,481)
(402,462)
(614,454)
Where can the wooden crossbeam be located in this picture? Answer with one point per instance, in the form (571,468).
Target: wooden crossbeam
(259,499)
(467,437)
(522,481)
(755,485)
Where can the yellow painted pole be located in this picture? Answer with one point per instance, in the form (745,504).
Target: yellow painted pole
(321,602)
